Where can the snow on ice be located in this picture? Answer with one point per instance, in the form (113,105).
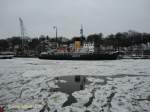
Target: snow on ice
(31,85)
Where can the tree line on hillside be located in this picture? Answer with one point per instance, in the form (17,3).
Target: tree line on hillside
(120,39)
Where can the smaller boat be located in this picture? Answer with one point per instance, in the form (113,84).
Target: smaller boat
(146,57)
(146,53)
(6,55)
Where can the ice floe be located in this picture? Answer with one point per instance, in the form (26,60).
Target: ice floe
(107,86)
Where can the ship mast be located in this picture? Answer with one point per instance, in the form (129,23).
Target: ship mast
(81,33)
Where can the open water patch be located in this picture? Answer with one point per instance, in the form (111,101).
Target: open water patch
(71,84)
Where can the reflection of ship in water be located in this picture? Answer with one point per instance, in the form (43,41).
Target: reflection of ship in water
(81,80)
(72,84)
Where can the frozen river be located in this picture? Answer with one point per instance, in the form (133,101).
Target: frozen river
(33,85)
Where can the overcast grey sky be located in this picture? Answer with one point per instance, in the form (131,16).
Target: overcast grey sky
(106,16)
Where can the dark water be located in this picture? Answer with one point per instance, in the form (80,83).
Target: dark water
(75,83)
(72,84)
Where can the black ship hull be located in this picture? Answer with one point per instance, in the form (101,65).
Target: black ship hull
(80,56)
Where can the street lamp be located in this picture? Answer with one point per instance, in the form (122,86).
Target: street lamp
(55,27)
